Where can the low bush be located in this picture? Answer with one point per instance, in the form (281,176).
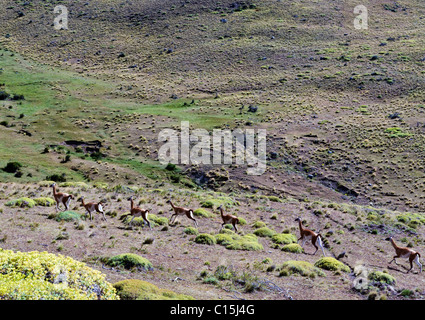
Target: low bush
(203,213)
(264,232)
(293,247)
(303,268)
(331,264)
(205,238)
(21,202)
(130,261)
(135,289)
(284,238)
(382,277)
(68,216)
(44,201)
(45,276)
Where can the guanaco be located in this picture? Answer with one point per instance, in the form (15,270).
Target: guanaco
(180,211)
(138,212)
(403,252)
(307,234)
(91,207)
(228,219)
(61,197)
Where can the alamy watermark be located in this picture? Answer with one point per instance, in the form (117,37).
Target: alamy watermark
(361,20)
(200,147)
(61,21)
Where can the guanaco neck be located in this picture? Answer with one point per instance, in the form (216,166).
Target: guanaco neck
(172,204)
(82,202)
(394,244)
(300,225)
(131,203)
(221,212)
(54,190)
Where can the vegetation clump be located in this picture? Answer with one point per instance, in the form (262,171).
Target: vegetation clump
(205,238)
(284,238)
(68,215)
(135,289)
(303,268)
(21,202)
(130,261)
(264,232)
(44,201)
(12,167)
(201,212)
(45,276)
(381,276)
(233,241)
(191,230)
(292,247)
(138,221)
(331,264)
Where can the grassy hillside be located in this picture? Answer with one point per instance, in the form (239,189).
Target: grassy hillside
(261,261)
(343,109)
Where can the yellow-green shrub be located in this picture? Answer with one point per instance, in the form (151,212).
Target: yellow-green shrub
(44,201)
(303,268)
(264,232)
(233,241)
(205,238)
(134,289)
(138,221)
(381,277)
(284,238)
(42,275)
(21,202)
(130,261)
(201,212)
(329,263)
(292,247)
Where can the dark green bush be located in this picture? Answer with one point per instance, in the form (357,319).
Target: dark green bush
(12,167)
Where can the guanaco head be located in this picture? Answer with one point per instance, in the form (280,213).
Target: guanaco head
(220,207)
(389,238)
(131,198)
(169,201)
(298,219)
(52,185)
(81,199)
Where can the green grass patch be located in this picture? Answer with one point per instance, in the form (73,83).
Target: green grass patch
(45,276)
(381,276)
(293,248)
(21,202)
(331,264)
(201,212)
(205,238)
(130,261)
(69,216)
(303,268)
(264,232)
(135,289)
(284,238)
(233,241)
(44,201)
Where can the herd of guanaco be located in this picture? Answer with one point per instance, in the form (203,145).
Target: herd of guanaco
(305,234)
